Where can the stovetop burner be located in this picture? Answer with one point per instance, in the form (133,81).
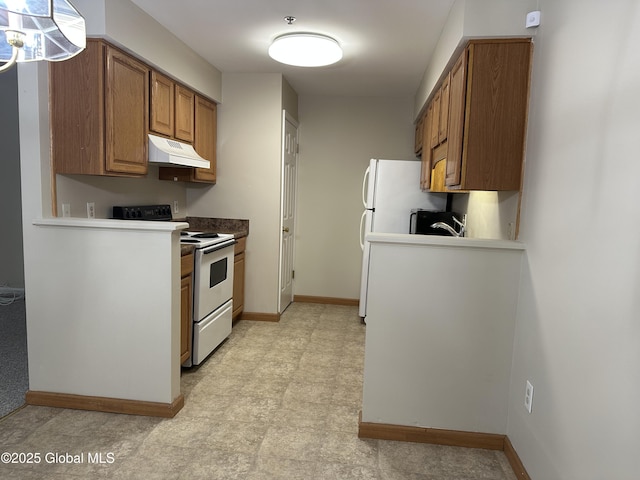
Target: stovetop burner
(205,235)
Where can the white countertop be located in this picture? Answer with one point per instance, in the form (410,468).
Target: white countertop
(110,224)
(442,241)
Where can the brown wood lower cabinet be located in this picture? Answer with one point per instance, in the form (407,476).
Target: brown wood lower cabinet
(238,277)
(186,302)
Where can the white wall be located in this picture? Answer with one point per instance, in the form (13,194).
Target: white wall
(577,334)
(338,137)
(105,192)
(11,259)
(248,186)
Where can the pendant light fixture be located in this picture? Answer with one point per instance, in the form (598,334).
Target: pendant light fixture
(32,30)
(305,49)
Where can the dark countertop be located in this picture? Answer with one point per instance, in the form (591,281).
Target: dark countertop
(238,228)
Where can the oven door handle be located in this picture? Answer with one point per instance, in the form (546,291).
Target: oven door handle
(219,246)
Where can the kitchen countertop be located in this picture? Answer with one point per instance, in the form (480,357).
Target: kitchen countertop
(237,227)
(442,241)
(109,224)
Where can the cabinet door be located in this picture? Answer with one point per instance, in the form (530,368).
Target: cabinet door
(205,139)
(457,105)
(76,98)
(495,115)
(162,104)
(184,119)
(126,114)
(238,285)
(435,124)
(186,295)
(417,146)
(443,123)
(425,173)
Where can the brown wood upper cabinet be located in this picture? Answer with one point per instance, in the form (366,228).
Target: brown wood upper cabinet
(435,119)
(419,134)
(443,117)
(205,138)
(185,105)
(162,104)
(425,172)
(489,92)
(99,113)
(172,108)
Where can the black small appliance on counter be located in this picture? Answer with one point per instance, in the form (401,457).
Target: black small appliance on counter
(421,221)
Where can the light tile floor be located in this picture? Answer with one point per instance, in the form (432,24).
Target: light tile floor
(275,401)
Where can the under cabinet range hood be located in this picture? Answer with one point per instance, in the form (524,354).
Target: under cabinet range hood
(171,153)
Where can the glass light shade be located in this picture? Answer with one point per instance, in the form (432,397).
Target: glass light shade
(305,50)
(52,29)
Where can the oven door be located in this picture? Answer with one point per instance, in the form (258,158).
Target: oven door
(213,278)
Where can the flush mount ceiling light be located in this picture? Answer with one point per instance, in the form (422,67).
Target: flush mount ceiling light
(32,30)
(305,49)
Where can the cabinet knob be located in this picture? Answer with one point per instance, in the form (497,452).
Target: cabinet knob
(285,229)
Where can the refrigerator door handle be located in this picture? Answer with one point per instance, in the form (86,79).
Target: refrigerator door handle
(364,186)
(364,214)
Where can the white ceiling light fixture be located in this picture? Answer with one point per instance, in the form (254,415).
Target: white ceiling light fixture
(305,49)
(32,30)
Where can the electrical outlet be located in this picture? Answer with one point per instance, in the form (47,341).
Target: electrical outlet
(528,397)
(175,206)
(91,210)
(66,210)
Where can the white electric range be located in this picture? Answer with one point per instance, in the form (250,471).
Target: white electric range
(212,279)
(212,290)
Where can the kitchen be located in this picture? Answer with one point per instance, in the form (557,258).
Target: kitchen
(542,219)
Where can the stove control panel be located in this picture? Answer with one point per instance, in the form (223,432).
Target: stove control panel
(143,212)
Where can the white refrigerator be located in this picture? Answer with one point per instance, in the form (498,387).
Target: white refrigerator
(390,190)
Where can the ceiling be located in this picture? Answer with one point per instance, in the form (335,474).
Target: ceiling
(387,43)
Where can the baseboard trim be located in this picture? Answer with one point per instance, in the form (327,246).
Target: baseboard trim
(436,436)
(514,460)
(350,302)
(452,438)
(260,317)
(105,404)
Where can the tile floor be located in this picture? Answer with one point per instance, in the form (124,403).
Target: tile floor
(275,401)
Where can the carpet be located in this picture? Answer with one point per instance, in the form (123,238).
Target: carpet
(14,375)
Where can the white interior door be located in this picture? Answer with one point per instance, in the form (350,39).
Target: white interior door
(288,208)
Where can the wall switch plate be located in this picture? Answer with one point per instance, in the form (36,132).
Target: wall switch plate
(91,210)
(175,206)
(66,210)
(533,19)
(528,397)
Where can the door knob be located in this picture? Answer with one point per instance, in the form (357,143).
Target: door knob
(285,229)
